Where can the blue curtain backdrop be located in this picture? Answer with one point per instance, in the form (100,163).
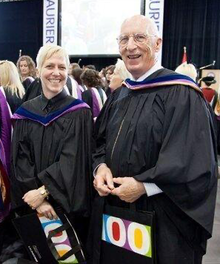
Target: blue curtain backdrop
(196,25)
(191,23)
(20,28)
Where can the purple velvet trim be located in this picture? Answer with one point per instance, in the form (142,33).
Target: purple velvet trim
(142,85)
(81,88)
(6,131)
(218,117)
(79,92)
(2,155)
(95,104)
(74,108)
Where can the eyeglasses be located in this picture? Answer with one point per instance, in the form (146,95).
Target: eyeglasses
(138,38)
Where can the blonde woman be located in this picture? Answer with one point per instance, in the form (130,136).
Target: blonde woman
(52,133)
(12,86)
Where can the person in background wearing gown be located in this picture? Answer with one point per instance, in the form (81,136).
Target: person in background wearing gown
(210,93)
(108,73)
(95,96)
(5,144)
(119,75)
(12,86)
(27,70)
(155,147)
(76,73)
(72,67)
(187,69)
(51,147)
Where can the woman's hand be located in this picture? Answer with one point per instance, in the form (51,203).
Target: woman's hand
(47,210)
(33,198)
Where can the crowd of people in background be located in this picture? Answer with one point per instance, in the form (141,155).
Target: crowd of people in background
(48,106)
(21,83)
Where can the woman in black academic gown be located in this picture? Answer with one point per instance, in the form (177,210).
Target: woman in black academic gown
(51,154)
(27,70)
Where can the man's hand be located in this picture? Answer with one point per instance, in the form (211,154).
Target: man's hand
(103,181)
(129,190)
(47,210)
(33,198)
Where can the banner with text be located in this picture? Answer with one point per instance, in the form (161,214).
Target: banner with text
(155,10)
(50,25)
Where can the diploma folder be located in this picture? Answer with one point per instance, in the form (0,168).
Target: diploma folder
(49,241)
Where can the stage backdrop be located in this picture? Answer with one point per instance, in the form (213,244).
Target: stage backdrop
(190,23)
(21,26)
(90,27)
(194,24)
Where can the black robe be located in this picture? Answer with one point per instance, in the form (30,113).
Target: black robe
(27,82)
(33,90)
(91,99)
(163,135)
(13,100)
(56,154)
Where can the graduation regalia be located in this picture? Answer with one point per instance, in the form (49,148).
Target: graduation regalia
(27,82)
(95,98)
(160,131)
(211,96)
(5,144)
(51,146)
(34,90)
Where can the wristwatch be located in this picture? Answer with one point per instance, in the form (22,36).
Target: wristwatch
(43,191)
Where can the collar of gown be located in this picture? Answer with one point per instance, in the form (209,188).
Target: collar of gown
(50,102)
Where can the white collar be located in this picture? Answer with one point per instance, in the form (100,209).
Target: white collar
(156,67)
(2,90)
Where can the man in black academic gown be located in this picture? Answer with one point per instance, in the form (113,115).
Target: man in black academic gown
(155,149)
(51,148)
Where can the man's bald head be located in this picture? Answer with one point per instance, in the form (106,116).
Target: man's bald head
(139,21)
(139,44)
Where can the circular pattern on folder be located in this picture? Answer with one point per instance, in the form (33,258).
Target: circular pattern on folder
(60,237)
(63,249)
(138,238)
(116,231)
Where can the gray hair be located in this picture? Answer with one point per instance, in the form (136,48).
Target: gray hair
(121,70)
(188,70)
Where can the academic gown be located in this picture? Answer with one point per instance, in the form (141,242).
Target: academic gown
(33,90)
(162,135)
(95,98)
(211,96)
(5,144)
(27,82)
(13,100)
(51,146)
